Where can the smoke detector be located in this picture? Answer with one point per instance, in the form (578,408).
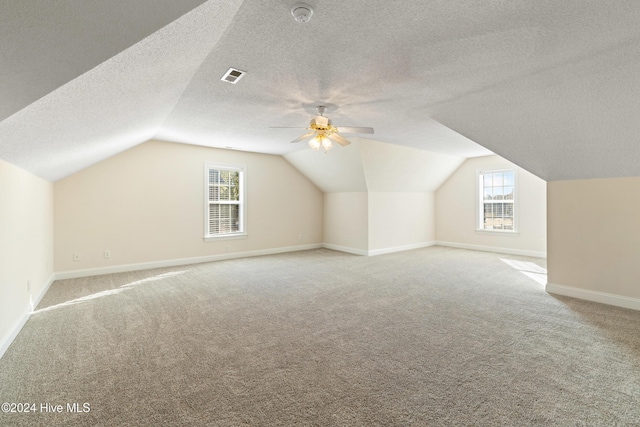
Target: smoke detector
(302,12)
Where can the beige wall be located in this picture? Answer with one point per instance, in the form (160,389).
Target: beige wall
(400,219)
(26,244)
(147,204)
(594,235)
(379,197)
(456,210)
(377,222)
(346,221)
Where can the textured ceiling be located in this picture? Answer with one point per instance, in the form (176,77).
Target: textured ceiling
(44,44)
(552,86)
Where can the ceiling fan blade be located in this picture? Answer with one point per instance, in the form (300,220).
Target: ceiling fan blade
(338,139)
(344,129)
(305,136)
(287,127)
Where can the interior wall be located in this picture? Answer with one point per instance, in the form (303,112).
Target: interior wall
(26,245)
(147,204)
(456,211)
(594,230)
(346,222)
(379,197)
(400,219)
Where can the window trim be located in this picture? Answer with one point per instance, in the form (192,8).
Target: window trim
(480,202)
(242,202)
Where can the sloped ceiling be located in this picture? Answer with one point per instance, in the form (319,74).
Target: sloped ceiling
(46,44)
(551,86)
(583,117)
(338,171)
(393,168)
(372,166)
(117,104)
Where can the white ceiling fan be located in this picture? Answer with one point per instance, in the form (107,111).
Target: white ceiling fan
(322,133)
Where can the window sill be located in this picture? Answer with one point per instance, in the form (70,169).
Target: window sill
(514,233)
(219,237)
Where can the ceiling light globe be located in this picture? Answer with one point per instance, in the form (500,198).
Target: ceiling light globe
(315,143)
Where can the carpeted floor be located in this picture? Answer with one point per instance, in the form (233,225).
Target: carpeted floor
(430,337)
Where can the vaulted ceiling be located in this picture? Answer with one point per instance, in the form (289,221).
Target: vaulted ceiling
(552,86)
(367,165)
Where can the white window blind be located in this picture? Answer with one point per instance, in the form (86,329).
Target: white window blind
(224,202)
(497,200)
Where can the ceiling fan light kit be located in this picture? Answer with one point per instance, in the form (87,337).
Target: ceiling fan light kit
(320,141)
(324,134)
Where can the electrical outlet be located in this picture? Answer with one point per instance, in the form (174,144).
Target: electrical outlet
(227,248)
(107,254)
(300,237)
(76,256)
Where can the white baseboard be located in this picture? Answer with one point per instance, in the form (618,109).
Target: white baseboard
(6,341)
(375,252)
(180,261)
(595,296)
(36,301)
(401,248)
(17,327)
(346,249)
(509,251)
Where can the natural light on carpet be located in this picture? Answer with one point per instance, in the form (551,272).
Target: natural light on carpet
(110,291)
(529,269)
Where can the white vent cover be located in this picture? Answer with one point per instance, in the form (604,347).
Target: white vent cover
(232,76)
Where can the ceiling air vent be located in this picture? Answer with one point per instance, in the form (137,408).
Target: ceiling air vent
(232,76)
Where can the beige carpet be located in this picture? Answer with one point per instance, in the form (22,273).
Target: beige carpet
(430,337)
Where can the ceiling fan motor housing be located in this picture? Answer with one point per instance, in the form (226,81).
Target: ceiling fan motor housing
(320,122)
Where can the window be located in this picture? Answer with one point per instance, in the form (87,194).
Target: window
(496,207)
(224,201)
